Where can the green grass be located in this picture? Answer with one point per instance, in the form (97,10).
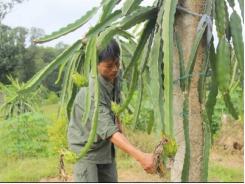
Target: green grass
(124,161)
(29,169)
(219,173)
(35,169)
(50,110)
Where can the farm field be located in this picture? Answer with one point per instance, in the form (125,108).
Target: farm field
(225,165)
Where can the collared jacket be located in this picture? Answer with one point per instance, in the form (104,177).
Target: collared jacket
(102,151)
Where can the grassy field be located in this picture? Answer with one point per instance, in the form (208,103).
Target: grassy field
(27,170)
(224,166)
(46,169)
(219,173)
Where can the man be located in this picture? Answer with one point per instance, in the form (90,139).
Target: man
(99,164)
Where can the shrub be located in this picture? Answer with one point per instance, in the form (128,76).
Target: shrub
(57,132)
(24,136)
(52,98)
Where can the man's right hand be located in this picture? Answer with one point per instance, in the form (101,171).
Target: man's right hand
(147,162)
(145,159)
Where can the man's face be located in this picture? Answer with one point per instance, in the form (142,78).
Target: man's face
(109,69)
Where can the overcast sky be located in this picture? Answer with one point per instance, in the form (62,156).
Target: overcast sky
(50,15)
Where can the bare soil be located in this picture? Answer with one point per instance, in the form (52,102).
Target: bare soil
(228,147)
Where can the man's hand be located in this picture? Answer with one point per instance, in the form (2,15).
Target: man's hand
(145,159)
(147,162)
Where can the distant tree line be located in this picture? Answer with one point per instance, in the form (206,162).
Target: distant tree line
(21,58)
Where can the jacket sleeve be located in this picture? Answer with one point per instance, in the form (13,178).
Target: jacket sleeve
(106,126)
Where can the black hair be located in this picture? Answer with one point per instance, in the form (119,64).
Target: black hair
(112,51)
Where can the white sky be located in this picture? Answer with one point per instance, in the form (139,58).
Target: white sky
(50,15)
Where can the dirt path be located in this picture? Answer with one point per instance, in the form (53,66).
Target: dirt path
(232,160)
(134,176)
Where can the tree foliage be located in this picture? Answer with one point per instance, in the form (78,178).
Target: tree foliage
(12,49)
(5,7)
(21,58)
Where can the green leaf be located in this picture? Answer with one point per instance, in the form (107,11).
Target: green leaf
(233,83)
(106,36)
(92,133)
(206,150)
(140,47)
(237,39)
(131,90)
(101,26)
(138,16)
(212,95)
(129,6)
(107,9)
(139,102)
(203,77)
(88,55)
(62,58)
(155,72)
(186,166)
(241,5)
(146,51)
(87,105)
(67,83)
(128,47)
(150,123)
(88,60)
(223,64)
(61,68)
(167,26)
(69,28)
(221,17)
(223,73)
(229,105)
(195,45)
(181,62)
(70,101)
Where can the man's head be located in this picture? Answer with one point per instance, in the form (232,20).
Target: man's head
(108,63)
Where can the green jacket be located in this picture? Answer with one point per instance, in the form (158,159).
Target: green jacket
(102,151)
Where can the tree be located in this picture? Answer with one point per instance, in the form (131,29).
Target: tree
(35,33)
(23,62)
(61,46)
(6,7)
(177,40)
(12,49)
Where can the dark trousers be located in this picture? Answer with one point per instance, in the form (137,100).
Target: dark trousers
(85,171)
